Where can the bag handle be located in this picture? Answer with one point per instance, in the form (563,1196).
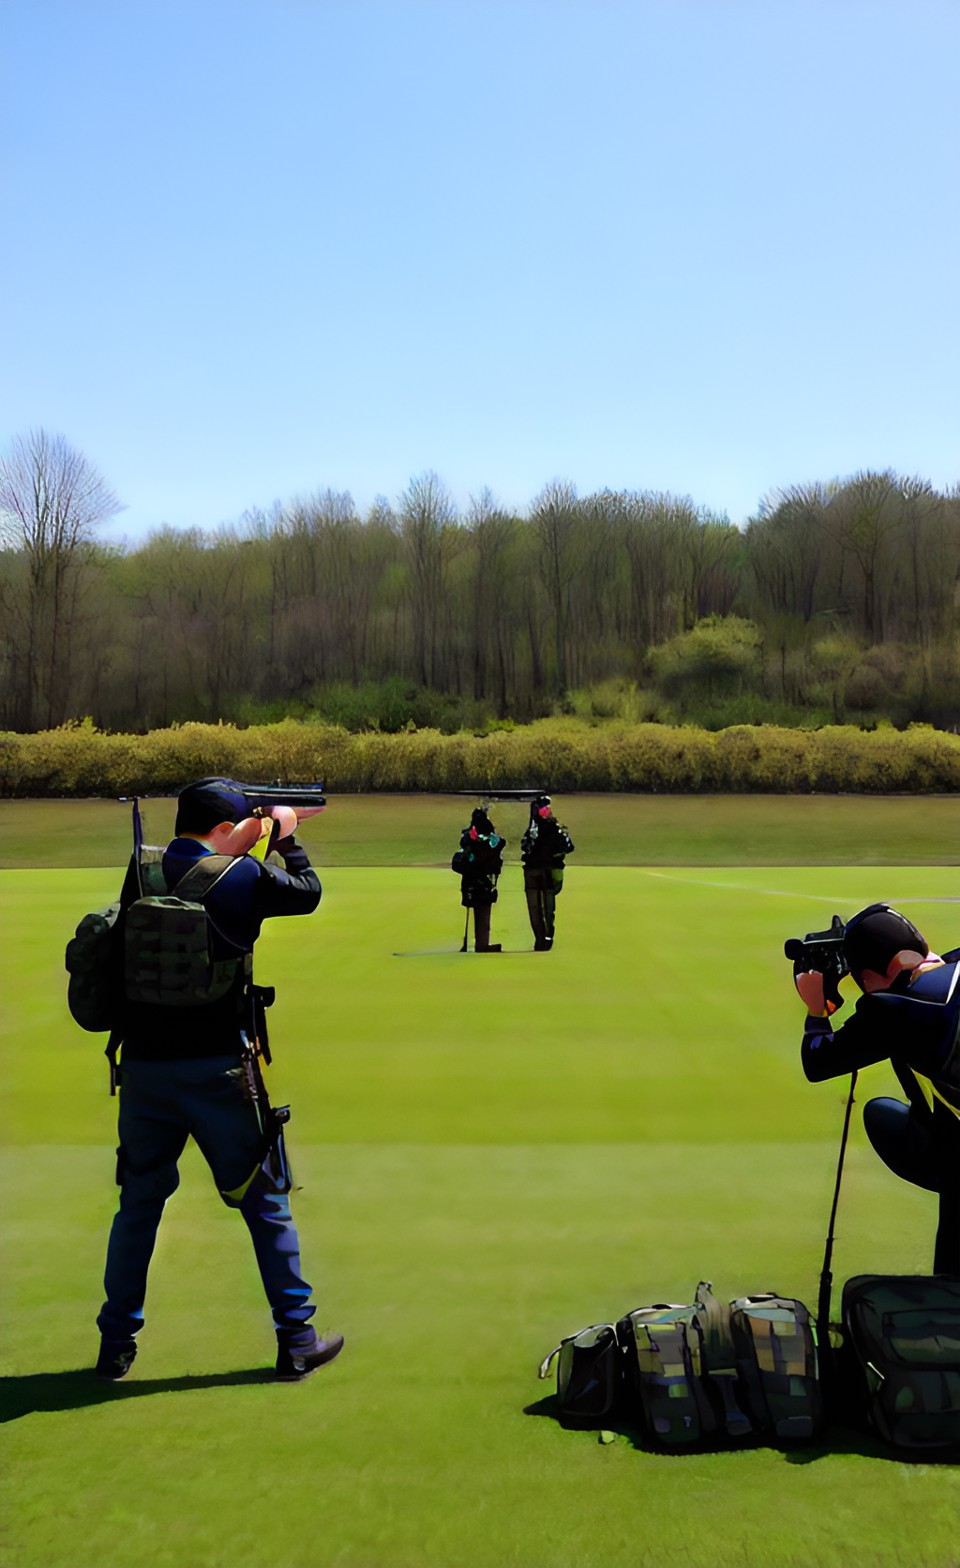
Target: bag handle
(545,1363)
(720,1357)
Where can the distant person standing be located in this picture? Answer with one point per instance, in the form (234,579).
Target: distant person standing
(479,861)
(543,848)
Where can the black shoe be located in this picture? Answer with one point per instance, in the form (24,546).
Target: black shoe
(492,947)
(292,1365)
(116,1358)
(542,945)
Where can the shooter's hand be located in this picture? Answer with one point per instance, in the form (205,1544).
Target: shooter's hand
(284,824)
(258,834)
(285,820)
(819,993)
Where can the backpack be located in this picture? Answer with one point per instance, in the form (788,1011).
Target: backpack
(681,1367)
(589,1374)
(776,1347)
(94,957)
(156,950)
(94,962)
(665,1373)
(902,1334)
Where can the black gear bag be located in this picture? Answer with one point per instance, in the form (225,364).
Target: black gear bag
(902,1342)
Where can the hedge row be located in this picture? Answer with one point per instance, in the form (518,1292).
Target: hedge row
(562,754)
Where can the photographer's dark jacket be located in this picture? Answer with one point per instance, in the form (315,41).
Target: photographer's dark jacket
(249,893)
(916,1024)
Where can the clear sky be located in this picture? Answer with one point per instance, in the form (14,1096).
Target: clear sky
(257,248)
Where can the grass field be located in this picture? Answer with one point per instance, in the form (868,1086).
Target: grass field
(492,1152)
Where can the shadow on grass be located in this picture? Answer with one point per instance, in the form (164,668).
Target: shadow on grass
(50,1391)
(836,1439)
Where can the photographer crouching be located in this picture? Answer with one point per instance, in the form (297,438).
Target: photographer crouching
(909,1014)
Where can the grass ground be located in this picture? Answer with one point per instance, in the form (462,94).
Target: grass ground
(492,1151)
(610,830)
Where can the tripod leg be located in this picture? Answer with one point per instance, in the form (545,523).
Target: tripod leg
(828,1360)
(466,931)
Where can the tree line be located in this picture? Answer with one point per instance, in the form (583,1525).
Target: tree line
(836,601)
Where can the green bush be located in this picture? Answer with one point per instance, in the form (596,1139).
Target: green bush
(720,657)
(749,708)
(614,699)
(562,754)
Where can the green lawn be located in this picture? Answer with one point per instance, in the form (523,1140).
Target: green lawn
(493,1151)
(609,830)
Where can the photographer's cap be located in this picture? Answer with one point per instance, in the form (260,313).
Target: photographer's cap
(874,937)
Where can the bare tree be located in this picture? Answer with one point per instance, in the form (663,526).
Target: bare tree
(554,518)
(492,531)
(427,514)
(868,511)
(51,501)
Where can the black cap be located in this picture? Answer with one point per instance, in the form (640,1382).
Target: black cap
(875,936)
(202,805)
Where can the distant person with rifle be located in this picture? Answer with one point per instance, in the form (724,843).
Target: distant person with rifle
(479,861)
(543,848)
(193,1029)
(909,1014)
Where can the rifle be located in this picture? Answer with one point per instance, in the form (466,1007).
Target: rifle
(305,797)
(271,1119)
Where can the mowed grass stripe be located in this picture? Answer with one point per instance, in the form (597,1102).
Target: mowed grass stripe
(664,830)
(664,1012)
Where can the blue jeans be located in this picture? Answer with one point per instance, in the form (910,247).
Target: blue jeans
(161,1105)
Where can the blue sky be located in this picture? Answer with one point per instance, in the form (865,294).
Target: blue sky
(256,248)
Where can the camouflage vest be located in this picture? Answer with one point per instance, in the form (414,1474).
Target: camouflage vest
(168,961)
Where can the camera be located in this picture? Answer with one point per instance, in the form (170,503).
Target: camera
(819,950)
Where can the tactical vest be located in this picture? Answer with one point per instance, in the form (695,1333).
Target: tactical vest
(167,938)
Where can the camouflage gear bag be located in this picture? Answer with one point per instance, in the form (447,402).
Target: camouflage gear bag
(703,1373)
(776,1356)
